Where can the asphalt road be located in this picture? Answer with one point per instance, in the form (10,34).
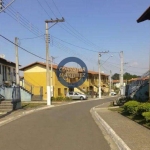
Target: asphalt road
(68,127)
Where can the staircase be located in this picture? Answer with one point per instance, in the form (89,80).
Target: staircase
(5,107)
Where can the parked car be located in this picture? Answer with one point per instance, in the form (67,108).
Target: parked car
(113,93)
(76,95)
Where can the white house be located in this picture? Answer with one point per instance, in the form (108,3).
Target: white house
(7,71)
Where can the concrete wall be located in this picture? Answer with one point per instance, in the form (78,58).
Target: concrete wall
(7,93)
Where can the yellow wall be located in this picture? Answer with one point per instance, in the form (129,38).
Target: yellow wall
(36,75)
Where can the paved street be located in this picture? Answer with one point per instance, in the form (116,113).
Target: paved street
(68,127)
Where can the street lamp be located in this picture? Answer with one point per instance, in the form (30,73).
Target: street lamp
(99,72)
(110,73)
(107,59)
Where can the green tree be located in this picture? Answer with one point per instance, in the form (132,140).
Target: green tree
(126,76)
(115,76)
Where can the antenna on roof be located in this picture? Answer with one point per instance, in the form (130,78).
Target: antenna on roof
(2,56)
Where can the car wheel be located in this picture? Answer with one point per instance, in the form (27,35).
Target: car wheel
(81,98)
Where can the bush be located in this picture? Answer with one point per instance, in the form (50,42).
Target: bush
(143,107)
(131,107)
(146,115)
(61,98)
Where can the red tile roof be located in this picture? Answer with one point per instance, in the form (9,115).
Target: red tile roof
(54,67)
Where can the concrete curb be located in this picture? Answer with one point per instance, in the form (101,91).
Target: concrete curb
(119,142)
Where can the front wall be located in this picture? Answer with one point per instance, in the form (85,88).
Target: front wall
(36,69)
(37,76)
(36,79)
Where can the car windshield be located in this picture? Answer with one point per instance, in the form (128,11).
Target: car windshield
(79,93)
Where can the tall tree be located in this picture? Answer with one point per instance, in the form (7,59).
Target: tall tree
(115,76)
(126,76)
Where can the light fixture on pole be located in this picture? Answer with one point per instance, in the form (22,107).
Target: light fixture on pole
(99,72)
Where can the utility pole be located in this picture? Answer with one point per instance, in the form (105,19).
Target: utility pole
(2,7)
(110,82)
(121,73)
(48,81)
(16,90)
(99,72)
(17,62)
(51,61)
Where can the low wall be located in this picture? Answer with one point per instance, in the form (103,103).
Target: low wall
(7,93)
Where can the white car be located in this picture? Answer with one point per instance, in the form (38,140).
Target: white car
(113,93)
(76,95)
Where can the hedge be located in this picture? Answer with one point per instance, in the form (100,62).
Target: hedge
(135,108)
(61,98)
(131,107)
(146,115)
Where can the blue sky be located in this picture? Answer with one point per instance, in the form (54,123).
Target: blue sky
(90,26)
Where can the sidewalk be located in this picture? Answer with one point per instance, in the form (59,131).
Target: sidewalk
(126,133)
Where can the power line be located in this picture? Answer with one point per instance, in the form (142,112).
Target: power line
(43,8)
(23,21)
(74,33)
(32,37)
(73,44)
(22,48)
(74,28)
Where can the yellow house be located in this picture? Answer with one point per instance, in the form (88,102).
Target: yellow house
(35,81)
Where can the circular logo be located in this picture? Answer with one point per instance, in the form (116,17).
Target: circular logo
(70,76)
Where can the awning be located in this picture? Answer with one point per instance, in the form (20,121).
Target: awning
(144,16)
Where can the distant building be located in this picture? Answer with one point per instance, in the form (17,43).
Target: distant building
(116,83)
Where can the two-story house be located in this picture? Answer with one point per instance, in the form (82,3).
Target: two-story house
(35,81)
(7,72)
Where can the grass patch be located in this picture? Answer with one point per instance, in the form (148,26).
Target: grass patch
(117,109)
(32,105)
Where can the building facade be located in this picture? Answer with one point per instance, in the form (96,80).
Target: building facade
(35,81)
(7,72)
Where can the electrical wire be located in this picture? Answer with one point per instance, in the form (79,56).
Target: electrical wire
(75,29)
(22,47)
(74,45)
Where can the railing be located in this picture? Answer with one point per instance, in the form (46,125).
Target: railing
(34,90)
